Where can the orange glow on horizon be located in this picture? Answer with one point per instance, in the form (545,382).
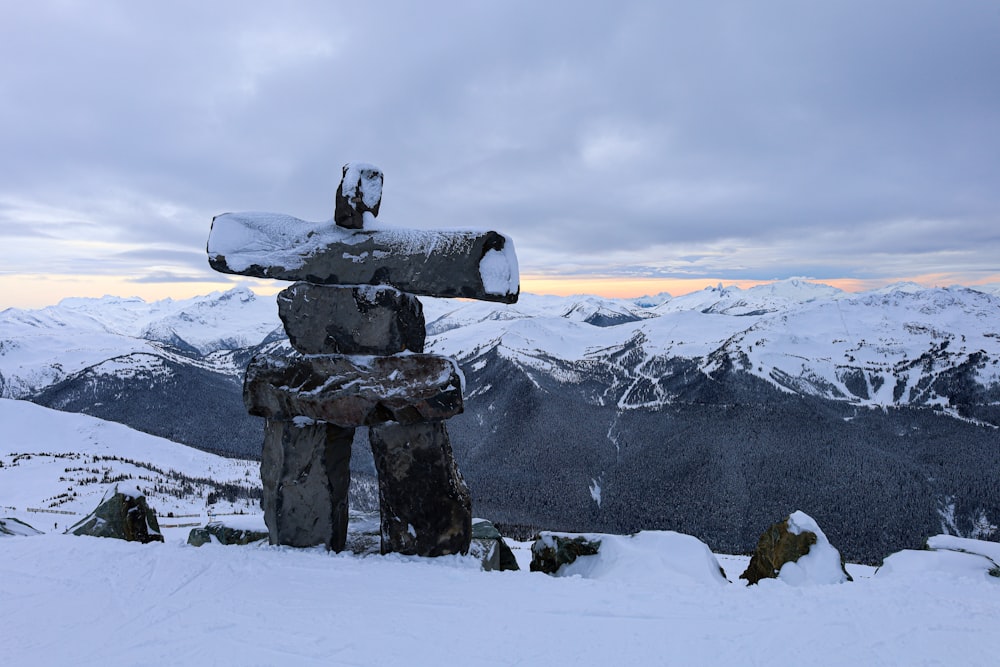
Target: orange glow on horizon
(38,291)
(626,288)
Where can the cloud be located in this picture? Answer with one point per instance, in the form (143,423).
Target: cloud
(765,139)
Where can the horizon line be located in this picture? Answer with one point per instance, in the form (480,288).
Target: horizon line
(36,292)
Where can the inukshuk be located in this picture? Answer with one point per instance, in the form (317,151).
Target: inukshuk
(358,334)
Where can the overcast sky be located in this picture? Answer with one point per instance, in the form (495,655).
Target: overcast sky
(704,140)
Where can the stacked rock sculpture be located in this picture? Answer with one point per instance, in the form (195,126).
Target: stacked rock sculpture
(358,334)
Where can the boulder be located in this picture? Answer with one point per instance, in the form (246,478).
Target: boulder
(464,263)
(223,534)
(551,551)
(945,555)
(360,191)
(798,552)
(424,503)
(10,527)
(122,514)
(366,319)
(489,546)
(663,557)
(305,471)
(351,391)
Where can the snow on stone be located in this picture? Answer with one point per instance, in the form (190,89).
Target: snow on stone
(914,565)
(11,527)
(249,239)
(952,543)
(364,175)
(499,270)
(821,565)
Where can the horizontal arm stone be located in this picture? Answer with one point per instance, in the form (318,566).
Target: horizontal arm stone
(351,391)
(466,263)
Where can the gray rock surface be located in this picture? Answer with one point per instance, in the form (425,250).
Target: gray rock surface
(424,503)
(305,470)
(329,319)
(354,391)
(469,264)
(122,514)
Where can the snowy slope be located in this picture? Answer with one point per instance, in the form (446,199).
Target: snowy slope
(59,464)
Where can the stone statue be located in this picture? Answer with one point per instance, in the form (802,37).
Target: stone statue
(358,333)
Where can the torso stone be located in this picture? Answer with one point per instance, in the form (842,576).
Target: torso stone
(324,319)
(354,390)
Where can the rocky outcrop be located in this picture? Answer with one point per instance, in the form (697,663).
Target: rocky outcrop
(797,540)
(219,532)
(550,551)
(122,514)
(359,339)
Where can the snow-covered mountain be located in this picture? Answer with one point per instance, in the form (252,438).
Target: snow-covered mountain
(710,413)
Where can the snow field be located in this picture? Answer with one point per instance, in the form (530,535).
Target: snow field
(93,601)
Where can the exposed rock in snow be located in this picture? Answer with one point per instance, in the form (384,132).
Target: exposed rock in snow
(122,514)
(663,556)
(550,551)
(219,532)
(797,552)
(493,550)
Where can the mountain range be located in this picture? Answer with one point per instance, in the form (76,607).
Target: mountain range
(714,414)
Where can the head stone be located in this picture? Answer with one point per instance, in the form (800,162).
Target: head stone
(359,192)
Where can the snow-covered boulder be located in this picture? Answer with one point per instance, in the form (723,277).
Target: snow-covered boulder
(946,555)
(10,527)
(122,514)
(797,552)
(551,551)
(657,556)
(489,546)
(228,532)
